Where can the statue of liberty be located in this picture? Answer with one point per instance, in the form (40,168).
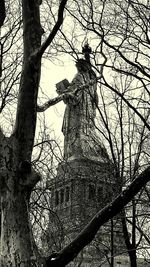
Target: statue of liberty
(81,101)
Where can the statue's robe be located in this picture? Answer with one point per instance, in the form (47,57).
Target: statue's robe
(78,125)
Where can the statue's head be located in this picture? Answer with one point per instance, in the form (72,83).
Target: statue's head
(82,65)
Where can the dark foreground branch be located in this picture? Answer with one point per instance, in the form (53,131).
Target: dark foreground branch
(2,12)
(50,103)
(55,29)
(88,233)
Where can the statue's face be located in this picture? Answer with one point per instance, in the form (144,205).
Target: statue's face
(82,67)
(79,67)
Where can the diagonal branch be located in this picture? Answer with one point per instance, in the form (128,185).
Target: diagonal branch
(49,103)
(88,233)
(55,28)
(61,97)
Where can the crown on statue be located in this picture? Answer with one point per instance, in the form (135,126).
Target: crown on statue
(86,49)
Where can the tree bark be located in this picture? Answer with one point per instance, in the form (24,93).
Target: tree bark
(29,84)
(133,260)
(16,248)
(112,244)
(17,176)
(16,185)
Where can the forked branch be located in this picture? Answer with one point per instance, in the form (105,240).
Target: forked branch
(55,29)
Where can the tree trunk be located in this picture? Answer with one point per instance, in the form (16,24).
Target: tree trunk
(17,176)
(16,184)
(112,244)
(132,255)
(16,248)
(133,252)
(130,247)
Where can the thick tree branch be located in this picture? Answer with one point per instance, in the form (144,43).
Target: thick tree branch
(50,103)
(103,216)
(2,12)
(26,110)
(27,103)
(55,28)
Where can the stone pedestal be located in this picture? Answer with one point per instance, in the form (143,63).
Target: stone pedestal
(81,188)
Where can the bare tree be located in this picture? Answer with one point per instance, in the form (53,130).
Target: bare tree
(125,138)
(18,178)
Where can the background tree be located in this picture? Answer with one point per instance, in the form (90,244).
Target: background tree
(126,138)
